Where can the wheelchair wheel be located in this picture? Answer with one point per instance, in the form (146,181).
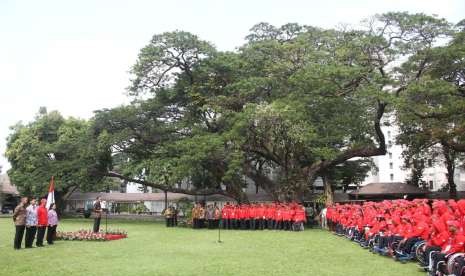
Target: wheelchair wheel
(419,253)
(451,261)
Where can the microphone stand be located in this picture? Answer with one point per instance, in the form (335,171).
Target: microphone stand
(219,230)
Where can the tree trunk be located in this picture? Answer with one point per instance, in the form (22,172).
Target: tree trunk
(449,161)
(166,199)
(328,187)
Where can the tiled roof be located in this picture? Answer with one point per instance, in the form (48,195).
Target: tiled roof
(126,197)
(387,188)
(135,197)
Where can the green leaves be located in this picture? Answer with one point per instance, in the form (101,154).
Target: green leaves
(51,146)
(293,103)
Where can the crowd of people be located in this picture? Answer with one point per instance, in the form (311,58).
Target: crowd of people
(256,216)
(37,221)
(273,216)
(206,216)
(171,216)
(431,232)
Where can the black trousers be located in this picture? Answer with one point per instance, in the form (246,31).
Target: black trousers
(383,241)
(211,223)
(253,224)
(278,224)
(409,243)
(51,231)
(30,236)
(171,222)
(270,225)
(19,233)
(235,224)
(244,224)
(201,223)
(40,235)
(97,224)
(287,225)
(194,223)
(261,224)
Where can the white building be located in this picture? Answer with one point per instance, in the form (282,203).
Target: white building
(390,166)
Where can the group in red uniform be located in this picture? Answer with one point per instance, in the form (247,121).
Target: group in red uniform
(433,232)
(273,216)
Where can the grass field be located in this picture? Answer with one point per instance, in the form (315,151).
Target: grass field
(153,249)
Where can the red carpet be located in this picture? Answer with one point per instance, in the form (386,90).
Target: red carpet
(112,237)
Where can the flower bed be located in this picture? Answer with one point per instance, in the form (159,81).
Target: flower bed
(89,235)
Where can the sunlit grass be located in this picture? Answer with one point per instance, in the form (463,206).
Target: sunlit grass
(153,249)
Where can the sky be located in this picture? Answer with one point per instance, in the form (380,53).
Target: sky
(75,56)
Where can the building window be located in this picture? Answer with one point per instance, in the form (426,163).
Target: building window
(390,155)
(430,162)
(389,134)
(392,176)
(431,185)
(391,165)
(389,144)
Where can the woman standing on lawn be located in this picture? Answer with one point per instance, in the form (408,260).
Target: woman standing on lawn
(31,222)
(52,223)
(42,222)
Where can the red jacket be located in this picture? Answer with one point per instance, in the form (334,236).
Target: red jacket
(439,239)
(42,215)
(260,212)
(421,229)
(270,212)
(454,244)
(300,215)
(225,212)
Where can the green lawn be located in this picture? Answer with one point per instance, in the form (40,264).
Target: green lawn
(153,249)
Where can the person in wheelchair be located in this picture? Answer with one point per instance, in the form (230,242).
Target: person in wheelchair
(385,238)
(440,232)
(379,226)
(455,243)
(419,232)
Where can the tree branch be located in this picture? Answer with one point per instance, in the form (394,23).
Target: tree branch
(167,188)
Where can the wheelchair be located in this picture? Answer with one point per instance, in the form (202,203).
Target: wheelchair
(404,257)
(420,252)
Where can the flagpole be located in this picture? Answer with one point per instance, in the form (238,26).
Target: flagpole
(106,221)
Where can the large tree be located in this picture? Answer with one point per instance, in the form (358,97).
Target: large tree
(52,145)
(430,109)
(285,108)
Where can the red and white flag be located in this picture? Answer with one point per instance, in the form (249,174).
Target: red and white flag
(51,194)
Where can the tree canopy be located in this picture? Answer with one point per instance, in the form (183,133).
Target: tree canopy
(293,103)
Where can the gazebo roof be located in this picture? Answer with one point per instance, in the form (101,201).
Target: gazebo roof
(389,188)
